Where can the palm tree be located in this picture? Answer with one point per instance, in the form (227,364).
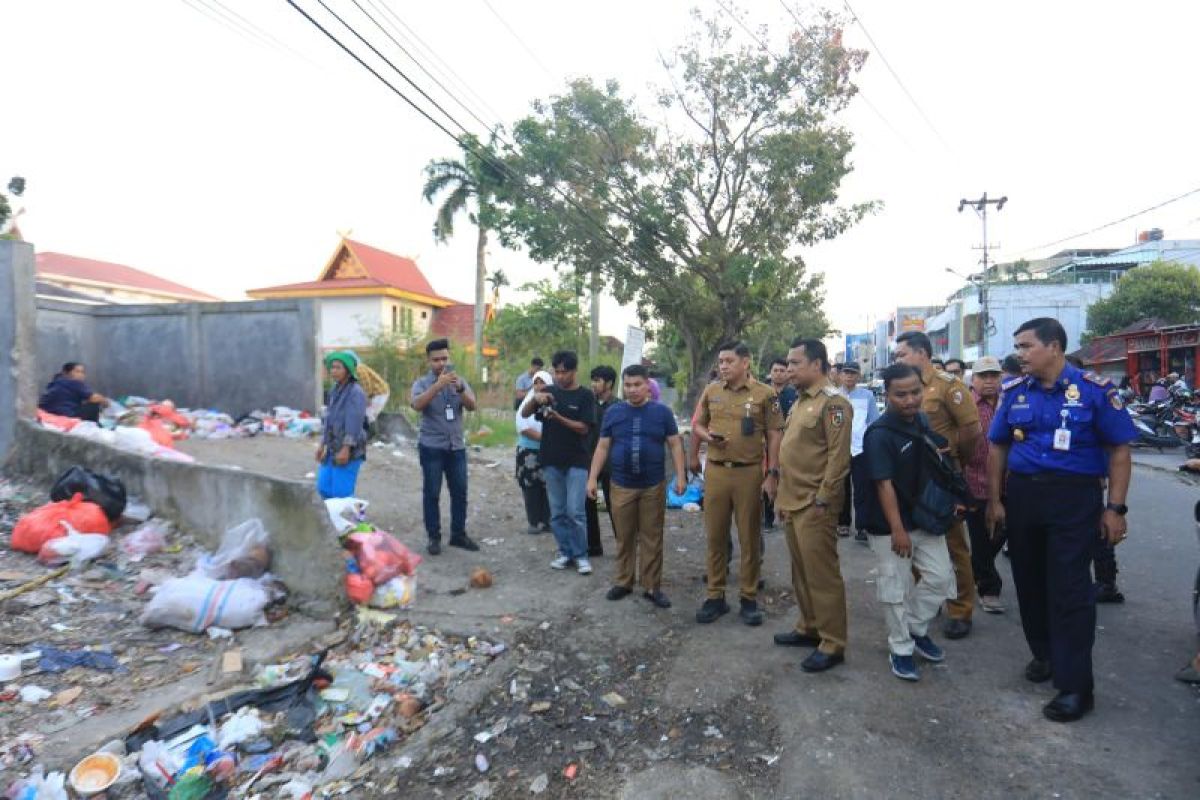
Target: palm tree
(498,280)
(473,181)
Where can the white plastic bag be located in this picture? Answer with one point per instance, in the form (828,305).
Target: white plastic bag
(346,512)
(158,764)
(243,553)
(151,537)
(194,603)
(398,592)
(241,727)
(42,787)
(76,547)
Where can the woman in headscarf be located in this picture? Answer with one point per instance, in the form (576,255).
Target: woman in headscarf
(343,431)
(529,468)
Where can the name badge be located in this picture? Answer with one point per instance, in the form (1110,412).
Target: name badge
(450,413)
(1062,439)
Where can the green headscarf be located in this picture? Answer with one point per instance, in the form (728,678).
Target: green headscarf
(349,361)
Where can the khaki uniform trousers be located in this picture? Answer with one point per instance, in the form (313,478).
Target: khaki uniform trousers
(964,576)
(817,577)
(638,516)
(733,492)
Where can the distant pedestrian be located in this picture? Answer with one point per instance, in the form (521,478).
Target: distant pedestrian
(937,363)
(529,465)
(525,382)
(1012,368)
(778,379)
(1056,434)
(814,459)
(68,395)
(633,442)
(957,367)
(858,485)
(985,391)
(899,448)
(952,415)
(568,416)
(441,396)
(343,447)
(603,378)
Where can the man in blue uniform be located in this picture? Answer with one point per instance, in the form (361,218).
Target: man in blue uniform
(1050,438)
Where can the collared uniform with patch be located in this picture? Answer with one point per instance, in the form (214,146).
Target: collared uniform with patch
(948,405)
(814,459)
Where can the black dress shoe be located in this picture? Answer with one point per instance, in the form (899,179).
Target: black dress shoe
(1109,593)
(595,553)
(957,628)
(465,542)
(796,639)
(750,613)
(1038,671)
(658,598)
(711,611)
(819,662)
(618,592)
(434,547)
(1069,706)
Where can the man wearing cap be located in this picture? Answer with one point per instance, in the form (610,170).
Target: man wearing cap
(985,391)
(858,483)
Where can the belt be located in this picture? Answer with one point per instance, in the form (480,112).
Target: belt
(1057,478)
(736,464)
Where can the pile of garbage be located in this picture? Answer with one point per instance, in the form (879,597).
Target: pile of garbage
(305,728)
(151,428)
(380,570)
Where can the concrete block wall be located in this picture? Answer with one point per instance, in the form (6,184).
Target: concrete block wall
(206,501)
(18,386)
(235,357)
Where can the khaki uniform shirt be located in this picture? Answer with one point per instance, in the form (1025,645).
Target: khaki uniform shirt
(814,457)
(722,409)
(948,404)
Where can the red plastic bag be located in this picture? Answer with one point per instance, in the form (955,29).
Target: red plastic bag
(157,432)
(57,422)
(358,588)
(43,524)
(381,556)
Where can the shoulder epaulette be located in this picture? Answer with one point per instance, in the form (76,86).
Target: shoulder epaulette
(1099,380)
(946,376)
(1011,383)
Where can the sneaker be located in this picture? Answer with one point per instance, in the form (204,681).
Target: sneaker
(905,668)
(750,613)
(583,567)
(618,592)
(711,611)
(534,530)
(465,542)
(991,604)
(843,530)
(928,650)
(562,562)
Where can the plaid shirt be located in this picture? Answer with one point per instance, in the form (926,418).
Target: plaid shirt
(977,468)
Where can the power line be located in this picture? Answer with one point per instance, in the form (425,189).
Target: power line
(521,41)
(419,65)
(232,21)
(1099,228)
(896,75)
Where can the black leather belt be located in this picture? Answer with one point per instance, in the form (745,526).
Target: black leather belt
(1057,478)
(736,464)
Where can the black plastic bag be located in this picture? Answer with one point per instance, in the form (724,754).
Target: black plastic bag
(106,492)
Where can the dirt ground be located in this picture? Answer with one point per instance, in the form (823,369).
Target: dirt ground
(717,711)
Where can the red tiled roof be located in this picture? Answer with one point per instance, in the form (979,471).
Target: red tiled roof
(86,269)
(1106,350)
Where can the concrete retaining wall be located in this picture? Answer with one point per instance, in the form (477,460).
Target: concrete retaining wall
(235,357)
(206,501)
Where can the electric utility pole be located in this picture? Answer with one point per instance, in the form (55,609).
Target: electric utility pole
(981,208)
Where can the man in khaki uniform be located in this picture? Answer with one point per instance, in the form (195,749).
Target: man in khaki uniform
(952,413)
(737,417)
(815,459)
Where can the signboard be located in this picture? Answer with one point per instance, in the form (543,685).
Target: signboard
(910,319)
(635,345)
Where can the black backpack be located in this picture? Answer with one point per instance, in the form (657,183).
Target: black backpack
(943,493)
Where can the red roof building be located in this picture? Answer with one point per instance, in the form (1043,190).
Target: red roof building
(112,283)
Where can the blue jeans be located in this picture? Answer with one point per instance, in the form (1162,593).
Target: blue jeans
(453,464)
(567,488)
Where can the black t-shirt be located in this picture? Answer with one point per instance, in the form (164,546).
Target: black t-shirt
(561,446)
(896,456)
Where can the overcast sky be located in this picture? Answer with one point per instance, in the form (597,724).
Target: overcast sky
(153,135)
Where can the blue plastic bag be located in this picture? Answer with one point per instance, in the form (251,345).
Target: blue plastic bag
(694,493)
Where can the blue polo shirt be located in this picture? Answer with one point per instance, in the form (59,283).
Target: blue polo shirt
(1085,404)
(64,396)
(638,457)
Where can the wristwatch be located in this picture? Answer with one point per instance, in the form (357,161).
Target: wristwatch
(1119,508)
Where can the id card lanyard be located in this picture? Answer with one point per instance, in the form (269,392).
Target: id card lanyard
(449,407)
(1062,436)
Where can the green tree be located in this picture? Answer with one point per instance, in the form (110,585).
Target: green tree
(16,188)
(1164,290)
(468,185)
(552,320)
(697,218)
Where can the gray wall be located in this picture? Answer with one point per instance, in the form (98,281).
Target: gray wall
(18,392)
(235,357)
(206,501)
